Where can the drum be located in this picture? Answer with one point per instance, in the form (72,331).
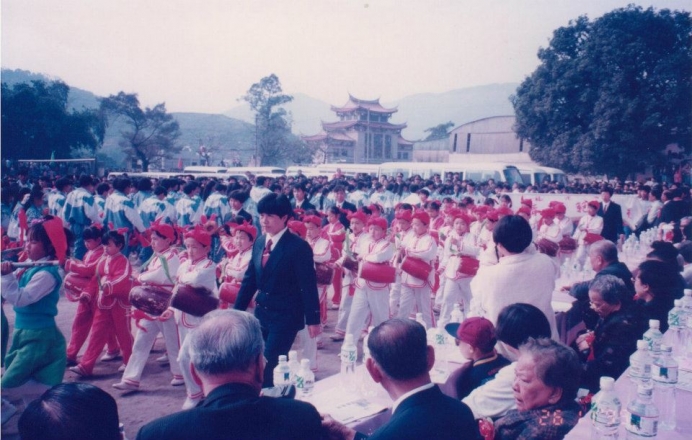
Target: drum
(377,272)
(568,244)
(229,292)
(75,285)
(591,238)
(468,266)
(416,267)
(196,301)
(324,274)
(350,264)
(150,299)
(547,247)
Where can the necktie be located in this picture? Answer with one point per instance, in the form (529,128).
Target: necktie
(267,251)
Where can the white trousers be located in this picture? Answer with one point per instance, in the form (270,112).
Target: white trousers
(367,302)
(193,390)
(144,341)
(395,295)
(455,292)
(416,299)
(306,347)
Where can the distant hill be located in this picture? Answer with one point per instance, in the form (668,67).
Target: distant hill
(77,99)
(419,111)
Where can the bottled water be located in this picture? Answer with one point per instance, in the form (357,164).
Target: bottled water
(605,412)
(294,364)
(641,417)
(653,337)
(665,376)
(686,305)
(457,314)
(676,316)
(366,350)
(348,360)
(282,372)
(419,320)
(676,329)
(441,363)
(305,380)
(640,368)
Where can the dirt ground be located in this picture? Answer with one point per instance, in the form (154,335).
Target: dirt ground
(156,397)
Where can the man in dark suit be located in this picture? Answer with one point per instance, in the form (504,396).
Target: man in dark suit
(236,199)
(300,200)
(673,211)
(227,362)
(282,273)
(343,205)
(612,216)
(400,362)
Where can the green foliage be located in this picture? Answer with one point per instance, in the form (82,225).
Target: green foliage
(36,122)
(610,94)
(439,131)
(148,134)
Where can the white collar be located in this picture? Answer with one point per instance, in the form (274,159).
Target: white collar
(403,397)
(275,238)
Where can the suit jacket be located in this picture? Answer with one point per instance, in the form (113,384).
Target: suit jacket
(246,215)
(673,211)
(235,411)
(343,218)
(305,206)
(612,221)
(287,296)
(429,414)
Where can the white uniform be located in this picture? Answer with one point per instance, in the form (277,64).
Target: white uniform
(395,289)
(588,223)
(359,244)
(457,288)
(415,292)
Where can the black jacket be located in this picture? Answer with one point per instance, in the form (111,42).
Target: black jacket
(612,221)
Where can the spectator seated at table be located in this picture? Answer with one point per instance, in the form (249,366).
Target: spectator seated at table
(545,389)
(603,256)
(515,324)
(71,411)
(669,254)
(476,340)
(606,350)
(686,253)
(401,361)
(656,284)
(227,361)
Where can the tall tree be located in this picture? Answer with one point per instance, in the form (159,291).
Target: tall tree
(272,125)
(148,134)
(610,94)
(440,131)
(36,122)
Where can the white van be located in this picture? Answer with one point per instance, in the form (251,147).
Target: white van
(536,174)
(347,169)
(478,172)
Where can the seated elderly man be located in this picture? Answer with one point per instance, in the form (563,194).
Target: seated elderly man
(400,362)
(546,384)
(228,364)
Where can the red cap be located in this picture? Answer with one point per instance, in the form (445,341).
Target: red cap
(315,220)
(358,215)
(594,204)
(527,202)
(404,214)
(548,212)
(492,215)
(248,229)
(163,229)
(200,234)
(504,211)
(298,228)
(559,208)
(525,210)
(464,217)
(422,216)
(378,221)
(476,331)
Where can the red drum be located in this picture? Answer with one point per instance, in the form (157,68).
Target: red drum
(547,247)
(324,274)
(568,244)
(591,238)
(468,266)
(377,272)
(75,285)
(350,264)
(150,299)
(196,301)
(416,267)
(229,292)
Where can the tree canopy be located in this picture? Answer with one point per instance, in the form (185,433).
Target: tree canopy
(610,94)
(149,133)
(439,131)
(36,122)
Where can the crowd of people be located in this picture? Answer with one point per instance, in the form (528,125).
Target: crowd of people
(166,254)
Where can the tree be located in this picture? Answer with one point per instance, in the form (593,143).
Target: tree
(440,131)
(36,122)
(148,134)
(272,126)
(610,94)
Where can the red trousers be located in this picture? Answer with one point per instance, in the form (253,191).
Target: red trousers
(106,322)
(81,326)
(336,284)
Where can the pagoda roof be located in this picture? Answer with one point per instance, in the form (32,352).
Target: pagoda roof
(403,141)
(334,135)
(354,103)
(341,125)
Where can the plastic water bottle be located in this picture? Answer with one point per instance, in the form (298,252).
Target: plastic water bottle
(294,364)
(640,368)
(349,354)
(665,376)
(282,372)
(641,417)
(687,305)
(653,337)
(366,349)
(676,316)
(676,328)
(457,314)
(419,320)
(305,380)
(441,362)
(605,411)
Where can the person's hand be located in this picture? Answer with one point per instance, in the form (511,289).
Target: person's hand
(165,316)
(314,330)
(335,430)
(84,298)
(6,268)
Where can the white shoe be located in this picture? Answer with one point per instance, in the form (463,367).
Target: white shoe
(163,359)
(78,369)
(125,386)
(177,382)
(110,356)
(190,403)
(121,368)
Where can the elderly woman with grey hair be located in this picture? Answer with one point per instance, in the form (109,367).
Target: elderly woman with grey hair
(605,351)
(545,389)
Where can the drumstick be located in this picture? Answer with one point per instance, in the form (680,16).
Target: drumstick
(35,263)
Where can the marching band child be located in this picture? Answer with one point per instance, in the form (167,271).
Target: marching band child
(335,232)
(233,268)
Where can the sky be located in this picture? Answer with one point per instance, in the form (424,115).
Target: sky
(202,55)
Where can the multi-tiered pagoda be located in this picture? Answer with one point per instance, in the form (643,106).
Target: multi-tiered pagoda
(363,134)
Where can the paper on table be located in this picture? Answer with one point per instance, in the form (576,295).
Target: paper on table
(350,408)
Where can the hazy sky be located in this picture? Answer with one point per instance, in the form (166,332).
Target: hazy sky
(200,56)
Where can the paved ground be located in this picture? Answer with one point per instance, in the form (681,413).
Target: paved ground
(156,396)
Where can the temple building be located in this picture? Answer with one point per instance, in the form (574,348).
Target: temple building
(363,134)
